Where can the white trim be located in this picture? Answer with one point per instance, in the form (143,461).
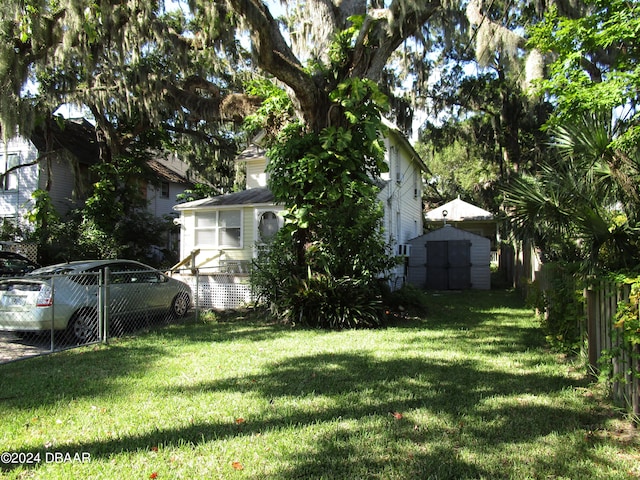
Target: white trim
(258,212)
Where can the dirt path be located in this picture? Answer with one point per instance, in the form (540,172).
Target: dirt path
(13,347)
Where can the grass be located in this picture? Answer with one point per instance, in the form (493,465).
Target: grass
(467,391)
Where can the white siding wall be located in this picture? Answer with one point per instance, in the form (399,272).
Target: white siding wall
(159,205)
(187,233)
(402,199)
(17,201)
(402,196)
(63,183)
(256,176)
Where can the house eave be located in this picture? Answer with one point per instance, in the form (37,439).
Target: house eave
(253,197)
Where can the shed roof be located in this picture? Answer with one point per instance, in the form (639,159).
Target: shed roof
(457,211)
(252,196)
(449,232)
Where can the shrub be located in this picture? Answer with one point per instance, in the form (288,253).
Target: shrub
(315,299)
(323,301)
(559,302)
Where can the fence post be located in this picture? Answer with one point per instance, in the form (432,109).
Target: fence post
(196,296)
(635,388)
(53,306)
(100,308)
(105,303)
(592,342)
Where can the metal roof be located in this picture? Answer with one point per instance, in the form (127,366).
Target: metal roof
(458,210)
(251,196)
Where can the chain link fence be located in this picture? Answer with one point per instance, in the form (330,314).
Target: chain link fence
(65,308)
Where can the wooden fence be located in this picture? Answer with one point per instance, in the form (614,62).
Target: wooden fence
(595,315)
(602,300)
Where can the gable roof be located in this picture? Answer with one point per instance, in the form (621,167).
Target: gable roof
(251,152)
(404,141)
(457,211)
(163,172)
(252,196)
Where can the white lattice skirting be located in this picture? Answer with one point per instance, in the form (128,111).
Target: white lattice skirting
(219,290)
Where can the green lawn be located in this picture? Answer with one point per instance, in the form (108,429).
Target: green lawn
(467,391)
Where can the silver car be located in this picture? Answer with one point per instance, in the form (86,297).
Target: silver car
(74,294)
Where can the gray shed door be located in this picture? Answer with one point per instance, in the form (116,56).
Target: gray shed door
(448,264)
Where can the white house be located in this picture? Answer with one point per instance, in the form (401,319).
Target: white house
(17,185)
(68,178)
(223,234)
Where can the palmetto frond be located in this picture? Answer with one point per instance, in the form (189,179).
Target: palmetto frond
(574,197)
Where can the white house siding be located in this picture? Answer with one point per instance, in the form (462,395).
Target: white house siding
(160,206)
(17,200)
(480,256)
(256,176)
(64,185)
(215,258)
(187,233)
(402,198)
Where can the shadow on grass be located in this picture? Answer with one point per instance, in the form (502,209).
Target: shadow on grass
(95,370)
(449,397)
(91,371)
(362,388)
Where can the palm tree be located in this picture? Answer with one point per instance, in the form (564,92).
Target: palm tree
(583,203)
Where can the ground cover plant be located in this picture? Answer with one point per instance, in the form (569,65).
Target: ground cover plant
(467,390)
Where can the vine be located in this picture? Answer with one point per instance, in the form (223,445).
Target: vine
(627,321)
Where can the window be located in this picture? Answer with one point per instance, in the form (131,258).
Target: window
(10,181)
(164,190)
(222,228)
(268,226)
(229,222)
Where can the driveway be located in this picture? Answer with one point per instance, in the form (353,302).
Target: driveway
(13,347)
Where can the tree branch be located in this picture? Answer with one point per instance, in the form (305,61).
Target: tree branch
(276,57)
(386,33)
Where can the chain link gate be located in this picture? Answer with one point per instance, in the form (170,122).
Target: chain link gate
(45,314)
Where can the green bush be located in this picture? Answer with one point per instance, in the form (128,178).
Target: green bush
(315,299)
(559,302)
(335,303)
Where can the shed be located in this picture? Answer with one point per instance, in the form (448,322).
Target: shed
(450,259)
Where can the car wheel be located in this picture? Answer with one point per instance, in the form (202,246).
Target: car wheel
(180,305)
(83,326)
